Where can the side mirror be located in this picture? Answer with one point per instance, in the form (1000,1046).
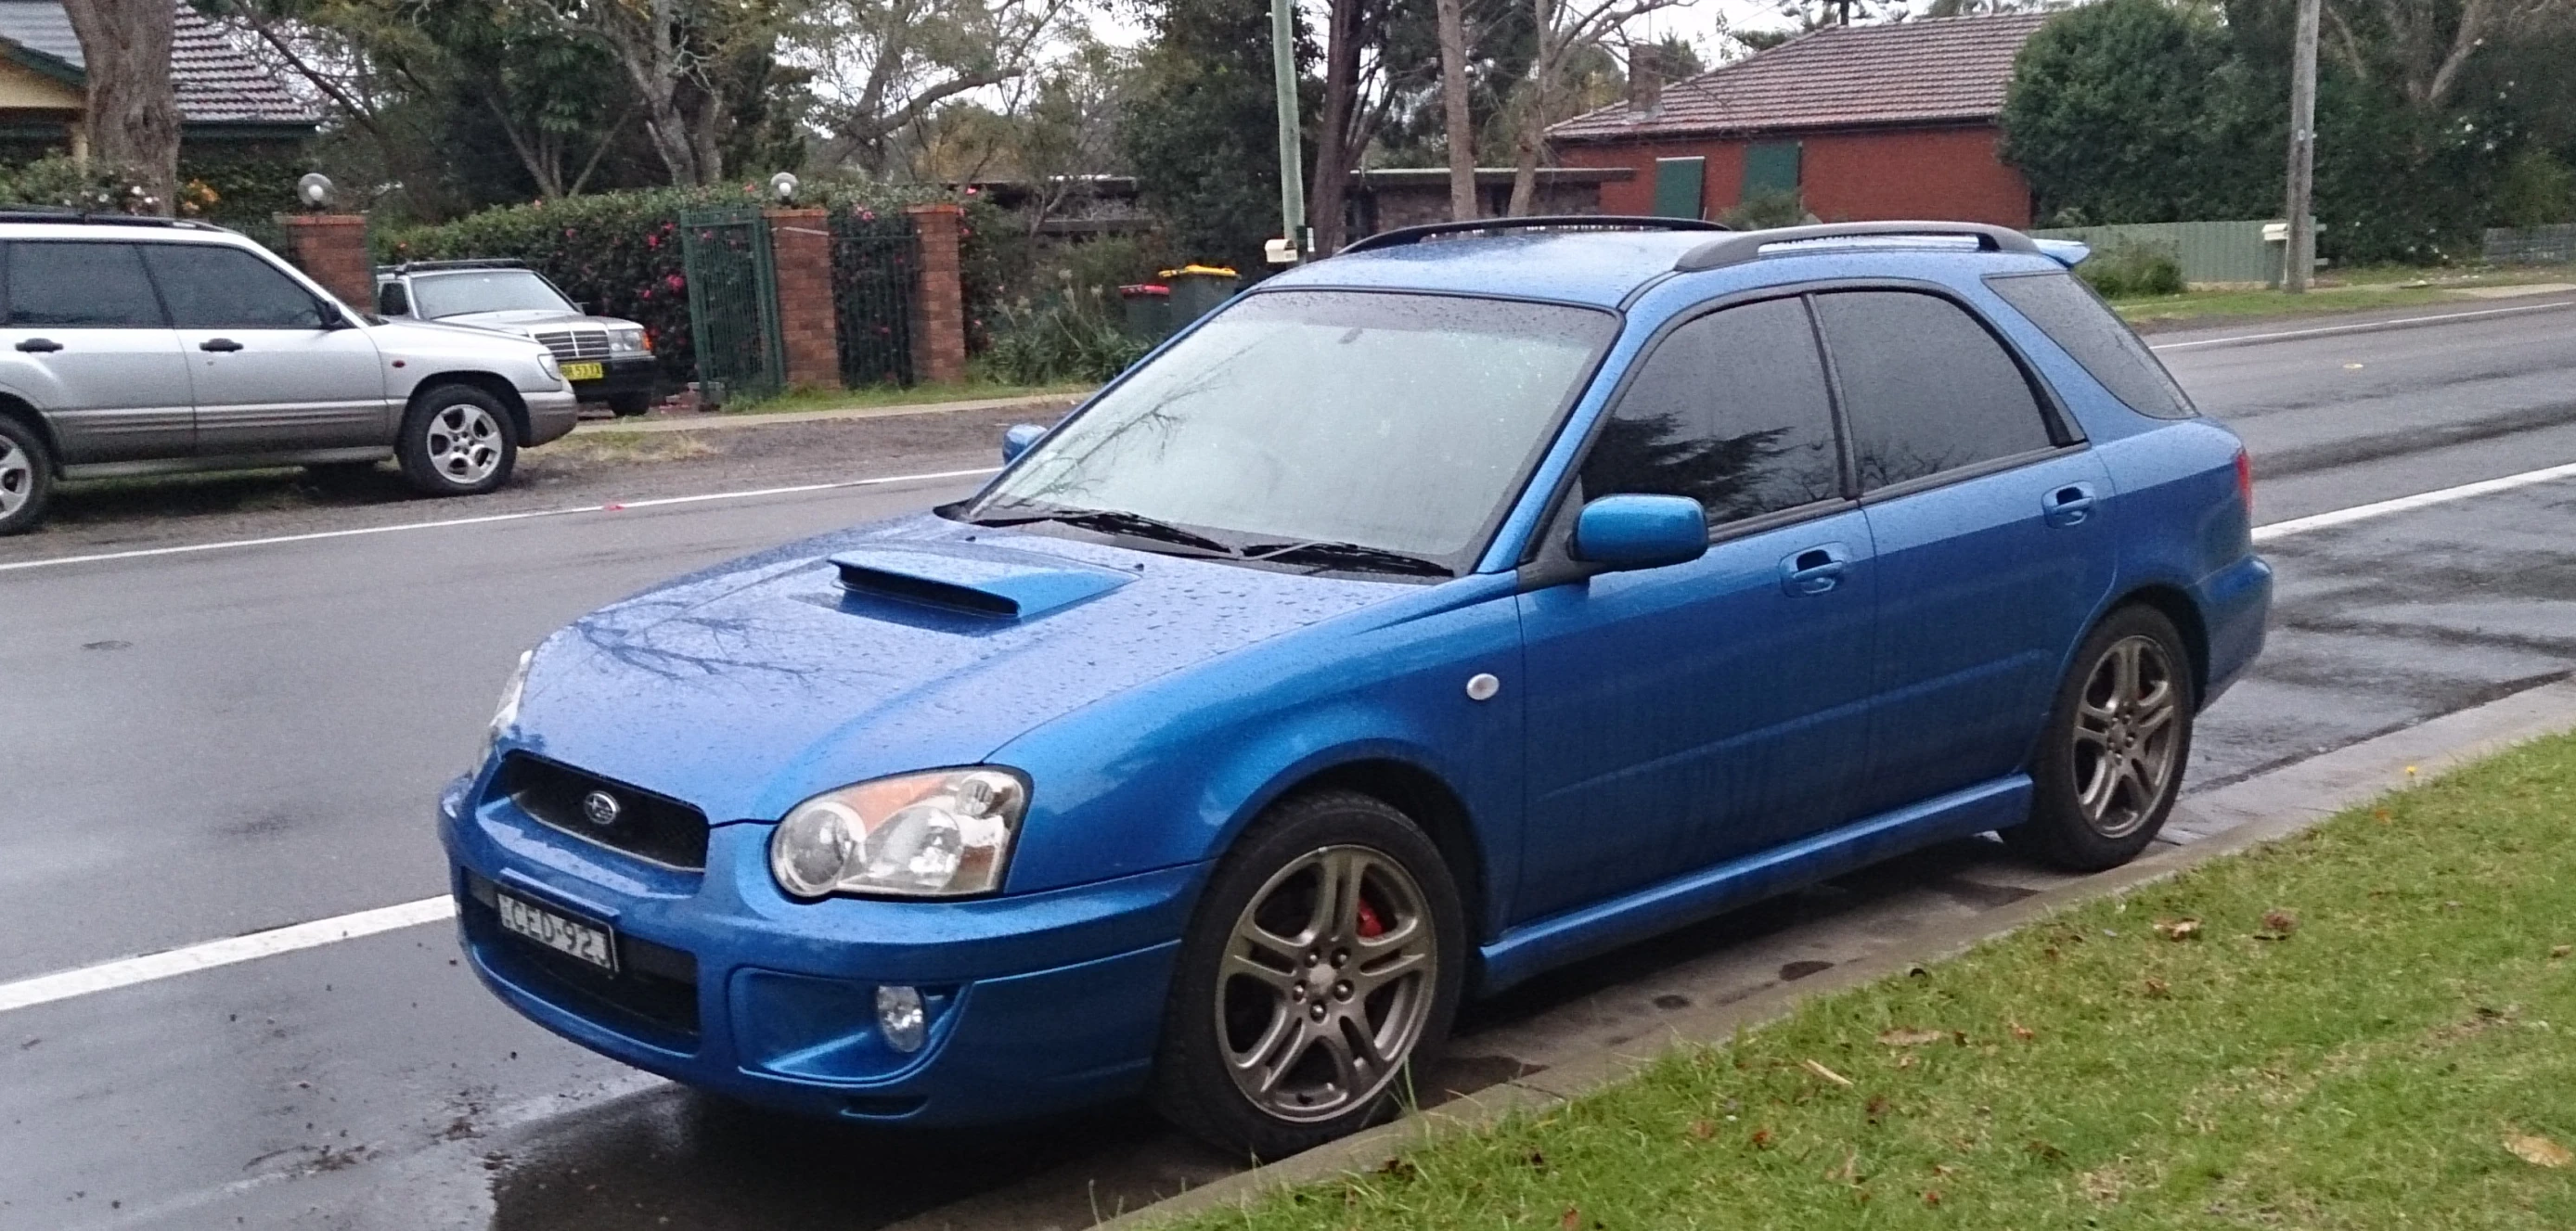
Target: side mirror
(1017,440)
(1620,533)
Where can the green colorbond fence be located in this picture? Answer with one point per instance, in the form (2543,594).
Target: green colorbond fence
(2208,251)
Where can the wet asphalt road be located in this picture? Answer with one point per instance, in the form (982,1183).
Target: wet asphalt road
(206,744)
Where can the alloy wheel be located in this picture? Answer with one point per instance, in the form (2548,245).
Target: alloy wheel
(17,477)
(464,444)
(1328,979)
(2125,733)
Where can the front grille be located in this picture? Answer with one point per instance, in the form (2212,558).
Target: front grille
(653,996)
(575,343)
(647,825)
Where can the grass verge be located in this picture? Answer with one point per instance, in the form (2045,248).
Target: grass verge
(2364,1026)
(876,396)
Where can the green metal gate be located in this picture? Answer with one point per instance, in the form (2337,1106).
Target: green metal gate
(875,259)
(733,300)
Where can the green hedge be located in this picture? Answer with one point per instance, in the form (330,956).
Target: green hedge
(619,252)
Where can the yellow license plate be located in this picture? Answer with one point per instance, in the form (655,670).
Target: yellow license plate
(583,371)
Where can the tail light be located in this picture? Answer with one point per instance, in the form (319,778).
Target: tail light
(2245,480)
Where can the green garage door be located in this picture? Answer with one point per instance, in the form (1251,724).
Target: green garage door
(1677,186)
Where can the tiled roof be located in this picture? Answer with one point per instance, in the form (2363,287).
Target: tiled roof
(1945,69)
(218,82)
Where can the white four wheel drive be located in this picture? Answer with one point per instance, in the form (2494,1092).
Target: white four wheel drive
(141,346)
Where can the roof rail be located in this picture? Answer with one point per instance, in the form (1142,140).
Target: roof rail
(61,214)
(1402,236)
(490,263)
(1737,249)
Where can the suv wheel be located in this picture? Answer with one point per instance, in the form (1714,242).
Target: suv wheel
(1323,961)
(26,477)
(456,441)
(2112,761)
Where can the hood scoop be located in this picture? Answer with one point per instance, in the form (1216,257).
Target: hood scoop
(994,582)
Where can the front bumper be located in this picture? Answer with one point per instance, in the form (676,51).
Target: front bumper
(623,374)
(1038,1002)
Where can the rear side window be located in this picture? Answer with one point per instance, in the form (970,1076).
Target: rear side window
(226,288)
(1730,410)
(2075,318)
(80,286)
(1925,387)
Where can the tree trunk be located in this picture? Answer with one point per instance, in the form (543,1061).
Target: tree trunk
(1333,155)
(133,118)
(1453,101)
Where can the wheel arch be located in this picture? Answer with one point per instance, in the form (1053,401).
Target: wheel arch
(488,382)
(23,412)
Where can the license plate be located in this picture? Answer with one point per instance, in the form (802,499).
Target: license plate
(583,371)
(557,931)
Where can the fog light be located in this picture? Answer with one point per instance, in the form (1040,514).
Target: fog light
(901,1017)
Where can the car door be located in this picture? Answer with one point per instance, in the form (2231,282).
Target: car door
(1991,523)
(1680,716)
(274,369)
(86,343)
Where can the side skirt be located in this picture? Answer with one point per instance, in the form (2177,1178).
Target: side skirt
(1531,948)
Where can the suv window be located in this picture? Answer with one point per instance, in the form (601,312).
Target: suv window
(80,285)
(211,287)
(2075,318)
(1925,387)
(1731,410)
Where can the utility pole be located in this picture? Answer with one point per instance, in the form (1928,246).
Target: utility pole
(2301,252)
(1292,169)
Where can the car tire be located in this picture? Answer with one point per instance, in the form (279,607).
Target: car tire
(629,405)
(2118,740)
(26,477)
(457,441)
(1327,1021)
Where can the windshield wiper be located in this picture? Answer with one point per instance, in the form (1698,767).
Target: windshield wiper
(1111,521)
(1353,557)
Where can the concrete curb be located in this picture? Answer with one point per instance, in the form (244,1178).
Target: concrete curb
(722,422)
(2258,810)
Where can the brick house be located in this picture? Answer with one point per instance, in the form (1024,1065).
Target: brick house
(230,107)
(1863,122)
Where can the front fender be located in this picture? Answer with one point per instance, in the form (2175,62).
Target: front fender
(1174,771)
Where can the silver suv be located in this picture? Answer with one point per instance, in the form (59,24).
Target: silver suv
(608,360)
(139,346)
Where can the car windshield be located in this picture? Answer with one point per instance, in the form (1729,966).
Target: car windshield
(484,290)
(1339,429)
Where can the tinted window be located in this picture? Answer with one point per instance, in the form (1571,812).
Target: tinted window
(226,288)
(2075,318)
(1925,387)
(1730,410)
(81,285)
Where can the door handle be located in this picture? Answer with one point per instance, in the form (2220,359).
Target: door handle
(39,346)
(1814,570)
(2071,505)
(219,344)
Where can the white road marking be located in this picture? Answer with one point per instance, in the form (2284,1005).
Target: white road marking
(2366,326)
(169,963)
(2364,512)
(126,972)
(489,518)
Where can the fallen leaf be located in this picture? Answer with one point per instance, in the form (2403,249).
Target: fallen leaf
(1901,1037)
(1826,1073)
(2178,929)
(1702,1129)
(2019,1031)
(1570,1219)
(2157,990)
(2280,922)
(2538,1151)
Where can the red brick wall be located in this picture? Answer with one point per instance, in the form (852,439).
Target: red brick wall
(1951,174)
(800,244)
(938,299)
(332,249)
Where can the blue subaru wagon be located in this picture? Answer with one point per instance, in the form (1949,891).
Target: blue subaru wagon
(1475,601)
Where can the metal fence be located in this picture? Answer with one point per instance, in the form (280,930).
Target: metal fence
(2550,245)
(733,300)
(875,259)
(2208,251)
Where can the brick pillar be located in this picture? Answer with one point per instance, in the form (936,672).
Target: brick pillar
(800,247)
(939,298)
(332,249)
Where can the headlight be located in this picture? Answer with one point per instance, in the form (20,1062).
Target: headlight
(507,715)
(629,341)
(546,364)
(938,834)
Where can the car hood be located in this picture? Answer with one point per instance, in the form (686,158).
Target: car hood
(910,644)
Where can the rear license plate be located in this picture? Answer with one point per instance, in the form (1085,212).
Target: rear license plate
(583,371)
(558,931)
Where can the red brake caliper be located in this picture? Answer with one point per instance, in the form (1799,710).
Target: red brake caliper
(1370,924)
